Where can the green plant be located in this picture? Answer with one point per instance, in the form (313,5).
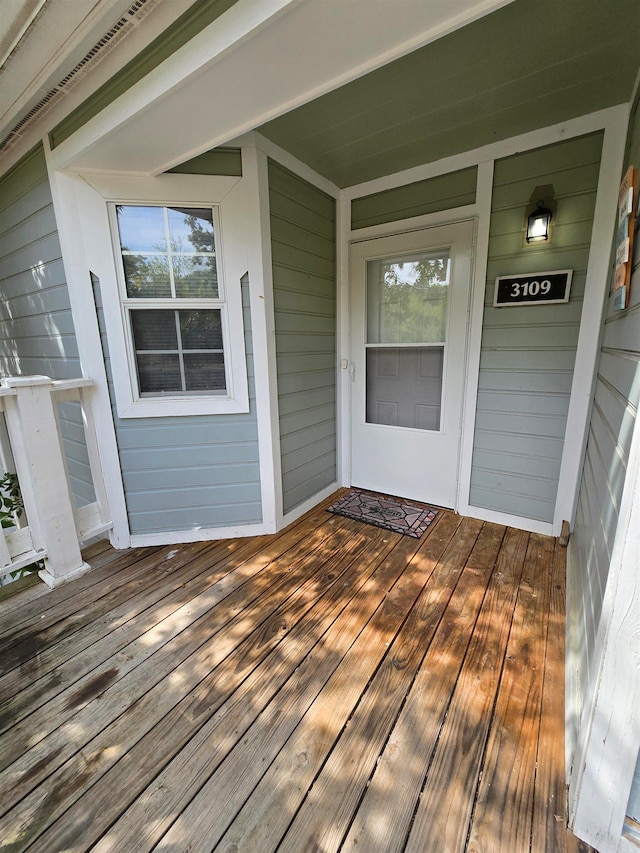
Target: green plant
(11,509)
(11,505)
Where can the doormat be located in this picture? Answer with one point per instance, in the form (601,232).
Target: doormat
(389,513)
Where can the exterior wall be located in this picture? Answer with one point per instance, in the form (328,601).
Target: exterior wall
(613,417)
(430,196)
(182,473)
(528,353)
(304,292)
(37,335)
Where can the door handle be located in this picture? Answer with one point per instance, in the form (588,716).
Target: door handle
(352,371)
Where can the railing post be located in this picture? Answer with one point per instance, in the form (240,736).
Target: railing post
(32,422)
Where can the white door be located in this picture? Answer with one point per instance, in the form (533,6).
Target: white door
(410,297)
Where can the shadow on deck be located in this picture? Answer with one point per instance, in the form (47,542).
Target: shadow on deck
(333,687)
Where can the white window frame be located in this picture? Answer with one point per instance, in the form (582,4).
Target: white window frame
(226,197)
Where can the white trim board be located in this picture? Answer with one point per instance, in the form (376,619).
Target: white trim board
(595,291)
(199,534)
(484,192)
(254,166)
(310,503)
(517,521)
(609,734)
(298,167)
(77,266)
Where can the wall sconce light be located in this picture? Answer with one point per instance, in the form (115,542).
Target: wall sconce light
(539,224)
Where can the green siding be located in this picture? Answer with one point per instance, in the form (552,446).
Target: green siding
(194,20)
(430,196)
(613,418)
(219,161)
(304,286)
(528,353)
(184,473)
(37,334)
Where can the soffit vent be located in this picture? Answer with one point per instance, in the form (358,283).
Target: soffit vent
(120,30)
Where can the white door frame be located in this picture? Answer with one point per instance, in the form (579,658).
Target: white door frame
(459,234)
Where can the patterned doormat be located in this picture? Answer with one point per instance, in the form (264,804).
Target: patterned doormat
(389,513)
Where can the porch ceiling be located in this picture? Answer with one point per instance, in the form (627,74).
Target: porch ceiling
(526,65)
(258,61)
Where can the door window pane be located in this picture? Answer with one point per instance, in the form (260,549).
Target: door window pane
(404,386)
(407,298)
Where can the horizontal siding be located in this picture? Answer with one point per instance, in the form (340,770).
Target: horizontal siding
(528,353)
(613,418)
(37,334)
(435,194)
(182,473)
(304,285)
(219,161)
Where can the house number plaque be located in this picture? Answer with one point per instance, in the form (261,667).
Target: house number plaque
(540,288)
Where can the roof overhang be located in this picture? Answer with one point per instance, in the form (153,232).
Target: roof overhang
(254,63)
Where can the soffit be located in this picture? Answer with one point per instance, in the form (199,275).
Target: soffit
(525,66)
(257,61)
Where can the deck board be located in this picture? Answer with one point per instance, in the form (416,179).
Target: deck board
(333,687)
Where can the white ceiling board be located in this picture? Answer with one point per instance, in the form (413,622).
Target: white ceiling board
(256,62)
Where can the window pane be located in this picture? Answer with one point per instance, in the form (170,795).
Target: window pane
(407,299)
(147,276)
(204,372)
(404,386)
(141,228)
(195,276)
(201,329)
(159,372)
(154,330)
(191,229)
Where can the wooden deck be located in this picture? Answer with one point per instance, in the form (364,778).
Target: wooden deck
(334,687)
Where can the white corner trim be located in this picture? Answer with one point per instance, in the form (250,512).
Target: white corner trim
(493,151)
(310,503)
(343,344)
(255,172)
(517,521)
(298,167)
(588,346)
(197,534)
(484,192)
(64,191)
(609,735)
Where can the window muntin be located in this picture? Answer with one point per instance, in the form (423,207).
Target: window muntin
(173,300)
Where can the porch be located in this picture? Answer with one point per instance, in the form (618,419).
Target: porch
(332,687)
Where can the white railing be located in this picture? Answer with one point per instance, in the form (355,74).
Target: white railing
(54,529)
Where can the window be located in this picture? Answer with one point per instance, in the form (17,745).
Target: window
(173,300)
(173,310)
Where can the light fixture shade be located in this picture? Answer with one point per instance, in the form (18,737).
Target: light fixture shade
(538,224)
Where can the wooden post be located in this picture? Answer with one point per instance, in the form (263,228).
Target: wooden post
(32,422)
